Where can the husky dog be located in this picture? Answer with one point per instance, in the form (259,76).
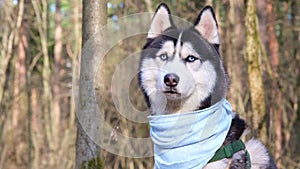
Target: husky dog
(181,71)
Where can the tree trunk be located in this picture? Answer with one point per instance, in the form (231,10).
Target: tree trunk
(235,54)
(77,48)
(253,56)
(6,48)
(19,79)
(26,73)
(41,11)
(276,95)
(29,112)
(58,71)
(94,16)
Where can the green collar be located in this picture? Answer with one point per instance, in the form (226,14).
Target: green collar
(228,150)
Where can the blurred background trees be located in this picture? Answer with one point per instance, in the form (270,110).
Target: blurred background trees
(41,43)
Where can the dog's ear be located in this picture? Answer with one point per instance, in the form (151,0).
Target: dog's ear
(160,22)
(206,24)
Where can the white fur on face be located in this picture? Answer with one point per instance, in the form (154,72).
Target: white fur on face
(167,48)
(149,71)
(175,65)
(197,79)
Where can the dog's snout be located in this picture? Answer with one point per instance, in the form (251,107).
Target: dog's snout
(171,80)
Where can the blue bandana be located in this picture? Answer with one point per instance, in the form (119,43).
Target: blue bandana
(189,140)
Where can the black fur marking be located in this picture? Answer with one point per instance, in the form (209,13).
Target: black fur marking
(217,47)
(272,164)
(143,90)
(205,49)
(236,130)
(169,34)
(239,162)
(206,103)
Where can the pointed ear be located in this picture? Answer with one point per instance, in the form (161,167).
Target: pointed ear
(206,24)
(160,22)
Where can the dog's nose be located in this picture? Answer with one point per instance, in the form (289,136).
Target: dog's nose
(171,79)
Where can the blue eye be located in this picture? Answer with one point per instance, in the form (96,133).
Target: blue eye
(190,58)
(163,56)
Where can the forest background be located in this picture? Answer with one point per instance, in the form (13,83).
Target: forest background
(41,44)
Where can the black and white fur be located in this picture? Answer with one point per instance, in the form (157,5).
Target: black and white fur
(181,71)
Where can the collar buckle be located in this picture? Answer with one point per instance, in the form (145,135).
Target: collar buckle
(229,150)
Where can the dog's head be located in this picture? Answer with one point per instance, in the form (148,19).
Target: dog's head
(180,69)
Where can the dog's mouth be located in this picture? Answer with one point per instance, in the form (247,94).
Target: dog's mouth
(172,92)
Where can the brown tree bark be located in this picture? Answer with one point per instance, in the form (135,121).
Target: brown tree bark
(9,48)
(235,55)
(26,74)
(36,128)
(19,79)
(275,109)
(94,16)
(58,73)
(262,17)
(253,56)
